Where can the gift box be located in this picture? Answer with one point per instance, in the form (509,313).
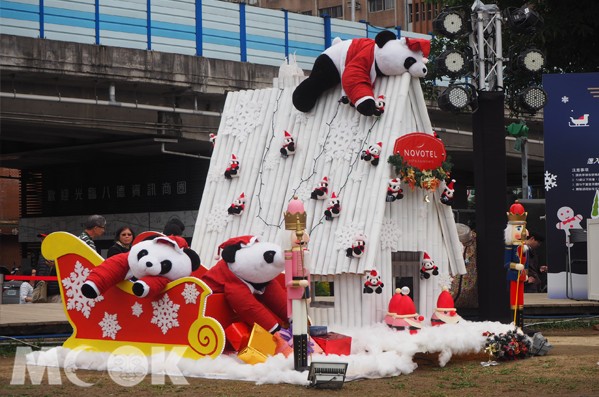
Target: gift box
(334,343)
(260,345)
(318,330)
(238,335)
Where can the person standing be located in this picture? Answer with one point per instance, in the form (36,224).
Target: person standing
(95,226)
(536,272)
(26,288)
(515,259)
(46,267)
(122,241)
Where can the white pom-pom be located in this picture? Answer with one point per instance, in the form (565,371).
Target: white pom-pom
(398,290)
(405,290)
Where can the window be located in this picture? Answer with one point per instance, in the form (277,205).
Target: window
(380,5)
(333,12)
(309,12)
(323,294)
(410,19)
(429,11)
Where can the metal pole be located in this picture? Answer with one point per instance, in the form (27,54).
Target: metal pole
(524,152)
(353,10)
(499,52)
(481,51)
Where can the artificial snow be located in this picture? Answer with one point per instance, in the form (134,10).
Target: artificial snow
(377,352)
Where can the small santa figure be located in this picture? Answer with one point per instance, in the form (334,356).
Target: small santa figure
(288,145)
(357,248)
(232,170)
(373,283)
(402,313)
(372,154)
(394,191)
(322,190)
(238,206)
(334,208)
(212,139)
(428,267)
(445,312)
(447,195)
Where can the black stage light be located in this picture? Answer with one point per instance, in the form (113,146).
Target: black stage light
(457,97)
(531,99)
(453,63)
(530,60)
(451,23)
(523,20)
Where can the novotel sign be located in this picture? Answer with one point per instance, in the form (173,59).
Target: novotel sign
(421,150)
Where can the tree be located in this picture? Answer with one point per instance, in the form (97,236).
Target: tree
(595,210)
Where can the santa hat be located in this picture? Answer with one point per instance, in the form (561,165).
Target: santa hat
(143,236)
(233,157)
(379,144)
(393,181)
(445,300)
(419,45)
(402,306)
(287,135)
(245,241)
(241,197)
(450,184)
(325,180)
(445,310)
(360,237)
(373,273)
(333,196)
(426,258)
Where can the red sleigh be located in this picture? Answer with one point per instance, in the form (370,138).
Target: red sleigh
(184,319)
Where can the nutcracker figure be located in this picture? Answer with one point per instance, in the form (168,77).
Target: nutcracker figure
(515,259)
(297,280)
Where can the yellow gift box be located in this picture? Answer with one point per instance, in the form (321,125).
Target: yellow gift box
(261,345)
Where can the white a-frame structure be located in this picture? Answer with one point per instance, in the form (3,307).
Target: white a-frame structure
(329,142)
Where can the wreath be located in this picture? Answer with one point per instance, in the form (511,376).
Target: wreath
(413,176)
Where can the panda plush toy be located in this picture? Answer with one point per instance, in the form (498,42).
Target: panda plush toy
(246,274)
(154,260)
(356,64)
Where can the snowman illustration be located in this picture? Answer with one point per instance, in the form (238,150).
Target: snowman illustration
(568,221)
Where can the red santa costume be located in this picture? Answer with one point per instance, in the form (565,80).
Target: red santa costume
(117,268)
(265,304)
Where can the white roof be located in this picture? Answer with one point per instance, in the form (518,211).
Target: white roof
(329,141)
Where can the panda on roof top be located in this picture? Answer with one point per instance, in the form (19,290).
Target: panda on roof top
(356,63)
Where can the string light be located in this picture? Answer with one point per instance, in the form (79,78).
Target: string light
(314,164)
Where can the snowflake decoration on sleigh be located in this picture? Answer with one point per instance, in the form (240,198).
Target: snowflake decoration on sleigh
(72,286)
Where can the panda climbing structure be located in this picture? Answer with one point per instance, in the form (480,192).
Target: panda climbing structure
(356,64)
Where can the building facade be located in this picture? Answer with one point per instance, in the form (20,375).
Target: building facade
(412,15)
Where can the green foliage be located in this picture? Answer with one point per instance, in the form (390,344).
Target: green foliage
(413,176)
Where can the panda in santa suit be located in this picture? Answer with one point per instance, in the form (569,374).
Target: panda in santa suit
(356,63)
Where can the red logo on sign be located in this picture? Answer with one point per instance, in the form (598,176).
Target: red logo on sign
(421,150)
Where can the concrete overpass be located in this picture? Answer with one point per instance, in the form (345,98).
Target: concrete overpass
(59,99)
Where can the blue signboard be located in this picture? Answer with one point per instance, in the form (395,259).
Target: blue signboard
(571,128)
